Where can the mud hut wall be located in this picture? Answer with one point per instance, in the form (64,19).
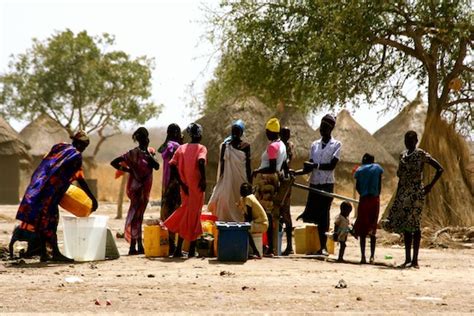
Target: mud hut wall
(10,179)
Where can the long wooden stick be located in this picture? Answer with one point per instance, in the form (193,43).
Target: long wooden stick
(333,195)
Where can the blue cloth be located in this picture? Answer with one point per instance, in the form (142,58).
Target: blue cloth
(240,124)
(368,179)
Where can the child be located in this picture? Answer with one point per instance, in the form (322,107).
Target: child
(368,184)
(285,189)
(188,166)
(253,213)
(341,228)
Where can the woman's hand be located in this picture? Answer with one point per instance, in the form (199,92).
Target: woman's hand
(427,188)
(95,205)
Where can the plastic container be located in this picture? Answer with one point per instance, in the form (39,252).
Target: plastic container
(85,237)
(307,239)
(233,241)
(76,201)
(330,243)
(155,241)
(258,240)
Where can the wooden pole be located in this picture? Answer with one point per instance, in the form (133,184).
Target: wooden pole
(123,184)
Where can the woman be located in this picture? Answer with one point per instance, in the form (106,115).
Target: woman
(324,155)
(267,178)
(38,211)
(139,163)
(188,165)
(234,169)
(170,199)
(405,213)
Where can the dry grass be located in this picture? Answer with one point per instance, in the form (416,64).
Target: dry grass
(109,187)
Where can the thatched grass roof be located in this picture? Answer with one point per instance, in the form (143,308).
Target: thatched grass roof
(10,142)
(356,141)
(42,133)
(412,117)
(217,125)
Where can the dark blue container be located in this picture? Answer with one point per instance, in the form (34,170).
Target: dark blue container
(232,241)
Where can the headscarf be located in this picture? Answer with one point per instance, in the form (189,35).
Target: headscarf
(329,119)
(194,130)
(240,124)
(81,136)
(273,125)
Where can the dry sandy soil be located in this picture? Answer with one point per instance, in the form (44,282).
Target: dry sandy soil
(293,285)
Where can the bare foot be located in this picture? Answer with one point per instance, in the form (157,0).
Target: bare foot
(371,260)
(363,261)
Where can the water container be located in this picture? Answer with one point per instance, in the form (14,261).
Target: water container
(232,244)
(85,237)
(155,241)
(330,244)
(307,239)
(76,201)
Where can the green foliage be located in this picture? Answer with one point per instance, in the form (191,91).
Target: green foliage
(327,53)
(80,82)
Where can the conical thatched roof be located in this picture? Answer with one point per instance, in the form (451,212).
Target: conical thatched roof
(10,142)
(217,125)
(42,133)
(412,117)
(356,141)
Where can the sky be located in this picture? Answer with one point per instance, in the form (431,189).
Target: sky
(170,31)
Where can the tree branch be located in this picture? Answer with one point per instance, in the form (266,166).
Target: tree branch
(465,100)
(457,68)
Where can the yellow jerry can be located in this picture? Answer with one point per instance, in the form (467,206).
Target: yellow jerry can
(307,239)
(155,241)
(76,201)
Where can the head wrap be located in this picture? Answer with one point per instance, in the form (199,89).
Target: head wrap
(273,125)
(329,119)
(81,135)
(194,130)
(239,123)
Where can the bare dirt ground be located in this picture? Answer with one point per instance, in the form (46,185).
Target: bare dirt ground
(292,285)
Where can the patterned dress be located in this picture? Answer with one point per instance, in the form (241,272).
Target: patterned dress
(405,213)
(138,191)
(39,206)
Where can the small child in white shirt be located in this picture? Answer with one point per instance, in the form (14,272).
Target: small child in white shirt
(342,228)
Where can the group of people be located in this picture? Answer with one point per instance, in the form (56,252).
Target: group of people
(261,196)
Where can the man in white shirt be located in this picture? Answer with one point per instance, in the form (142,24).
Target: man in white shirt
(323,157)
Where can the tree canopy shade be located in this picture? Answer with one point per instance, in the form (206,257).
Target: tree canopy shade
(313,53)
(80,82)
(325,53)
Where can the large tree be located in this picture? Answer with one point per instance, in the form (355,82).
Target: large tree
(80,82)
(320,53)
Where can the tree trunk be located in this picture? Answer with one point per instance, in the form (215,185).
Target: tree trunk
(450,202)
(123,184)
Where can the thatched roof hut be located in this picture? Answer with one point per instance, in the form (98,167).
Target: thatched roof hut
(356,141)
(42,133)
(217,125)
(412,117)
(14,159)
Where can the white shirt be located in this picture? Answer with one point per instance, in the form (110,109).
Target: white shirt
(324,156)
(280,153)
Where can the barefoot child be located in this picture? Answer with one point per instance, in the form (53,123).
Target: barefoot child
(341,228)
(253,213)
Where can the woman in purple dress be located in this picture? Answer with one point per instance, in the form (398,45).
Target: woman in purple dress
(170,196)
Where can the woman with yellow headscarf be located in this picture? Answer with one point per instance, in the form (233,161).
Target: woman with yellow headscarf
(268,174)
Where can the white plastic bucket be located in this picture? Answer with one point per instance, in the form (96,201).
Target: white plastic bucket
(257,239)
(85,237)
